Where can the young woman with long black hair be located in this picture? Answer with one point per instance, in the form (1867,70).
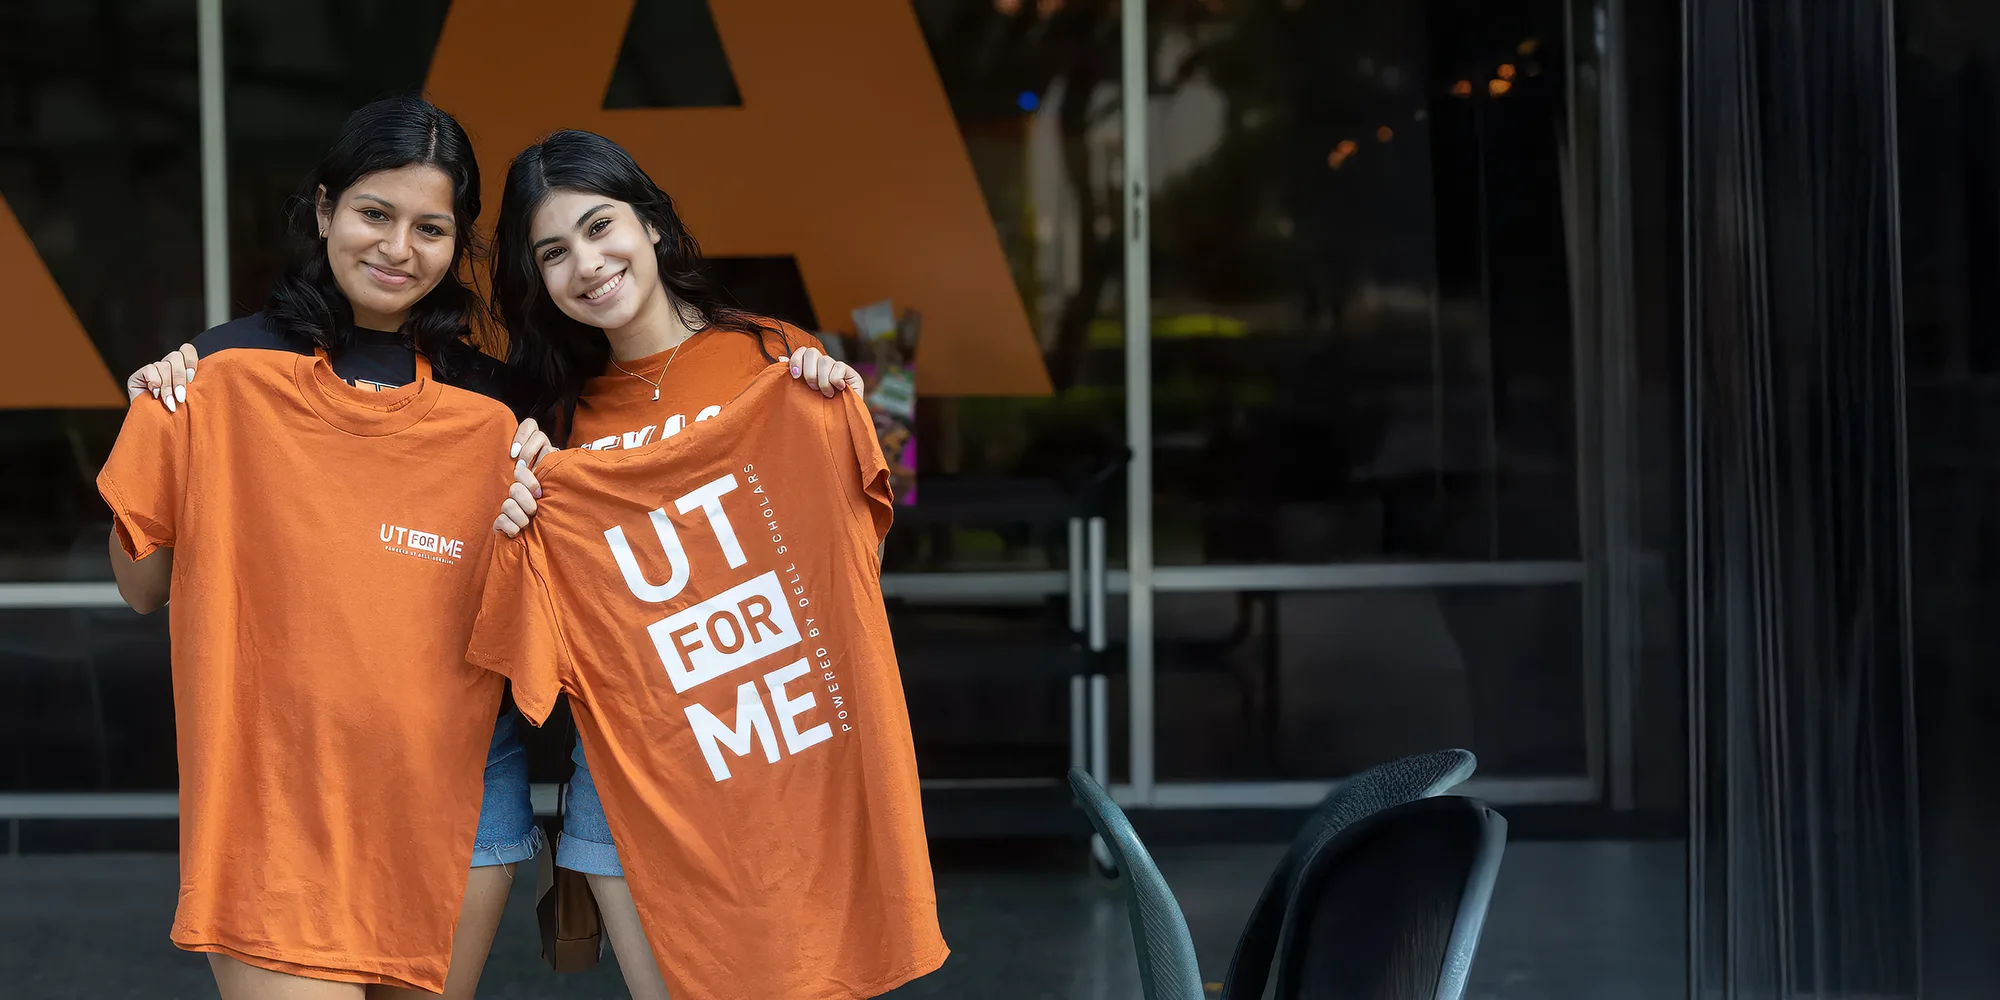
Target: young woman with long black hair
(377,238)
(617,339)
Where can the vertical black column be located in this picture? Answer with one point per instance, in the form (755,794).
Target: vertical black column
(1948,165)
(1803,837)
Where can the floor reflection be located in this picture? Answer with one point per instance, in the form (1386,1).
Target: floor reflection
(1570,921)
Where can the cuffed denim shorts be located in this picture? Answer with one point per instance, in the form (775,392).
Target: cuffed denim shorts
(507,829)
(585,845)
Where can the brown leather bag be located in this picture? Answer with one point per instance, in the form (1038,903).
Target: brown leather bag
(572,929)
(572,933)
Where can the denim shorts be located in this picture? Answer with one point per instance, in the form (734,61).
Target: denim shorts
(585,845)
(507,829)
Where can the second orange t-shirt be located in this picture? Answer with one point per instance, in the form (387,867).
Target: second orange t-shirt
(712,605)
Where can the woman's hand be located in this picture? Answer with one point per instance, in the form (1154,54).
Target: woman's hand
(529,448)
(811,365)
(167,379)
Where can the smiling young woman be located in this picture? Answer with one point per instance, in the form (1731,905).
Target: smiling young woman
(390,255)
(377,236)
(617,339)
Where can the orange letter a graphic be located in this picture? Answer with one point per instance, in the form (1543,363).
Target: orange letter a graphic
(54,365)
(844,154)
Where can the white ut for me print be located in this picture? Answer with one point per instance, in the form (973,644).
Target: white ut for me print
(422,544)
(733,629)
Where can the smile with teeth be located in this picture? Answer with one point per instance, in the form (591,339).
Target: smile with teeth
(610,285)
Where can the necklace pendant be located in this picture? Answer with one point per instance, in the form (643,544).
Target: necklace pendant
(656,395)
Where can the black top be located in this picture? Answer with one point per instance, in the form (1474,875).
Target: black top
(384,359)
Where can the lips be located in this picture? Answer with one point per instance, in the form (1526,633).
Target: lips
(605,288)
(388,275)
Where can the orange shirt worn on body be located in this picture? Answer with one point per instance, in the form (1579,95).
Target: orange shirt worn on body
(712,605)
(617,408)
(330,544)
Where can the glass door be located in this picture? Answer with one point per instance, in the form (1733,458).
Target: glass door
(1020,516)
(1365,476)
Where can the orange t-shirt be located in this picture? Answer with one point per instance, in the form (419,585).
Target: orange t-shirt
(617,409)
(330,544)
(712,606)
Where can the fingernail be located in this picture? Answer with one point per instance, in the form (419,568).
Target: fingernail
(181,393)
(190,373)
(170,404)
(795,373)
(156,393)
(538,493)
(514,452)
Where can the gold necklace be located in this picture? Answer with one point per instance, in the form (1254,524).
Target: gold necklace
(654,382)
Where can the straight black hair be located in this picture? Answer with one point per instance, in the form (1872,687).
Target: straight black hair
(549,354)
(306,302)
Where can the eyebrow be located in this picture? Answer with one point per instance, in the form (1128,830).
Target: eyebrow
(580,220)
(391,206)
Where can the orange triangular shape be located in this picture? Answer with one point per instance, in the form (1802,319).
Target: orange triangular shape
(55,366)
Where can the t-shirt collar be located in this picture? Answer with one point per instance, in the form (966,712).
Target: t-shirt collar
(365,412)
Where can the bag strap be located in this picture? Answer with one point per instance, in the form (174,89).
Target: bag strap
(562,790)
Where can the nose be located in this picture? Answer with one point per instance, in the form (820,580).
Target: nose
(396,245)
(589,262)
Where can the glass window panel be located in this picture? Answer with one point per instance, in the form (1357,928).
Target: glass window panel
(1035,90)
(1361,328)
(100,165)
(1322,685)
(86,700)
(294,72)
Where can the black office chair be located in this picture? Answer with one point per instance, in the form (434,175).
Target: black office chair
(1371,791)
(1349,824)
(1392,908)
(1167,967)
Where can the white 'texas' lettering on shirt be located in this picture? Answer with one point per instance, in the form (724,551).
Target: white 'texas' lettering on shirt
(651,432)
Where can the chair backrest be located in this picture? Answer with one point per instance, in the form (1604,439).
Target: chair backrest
(1371,791)
(1392,908)
(1167,967)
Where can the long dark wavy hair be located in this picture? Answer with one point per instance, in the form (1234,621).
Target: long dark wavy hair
(549,355)
(306,302)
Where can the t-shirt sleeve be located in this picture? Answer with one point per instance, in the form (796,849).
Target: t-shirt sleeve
(517,634)
(851,438)
(145,479)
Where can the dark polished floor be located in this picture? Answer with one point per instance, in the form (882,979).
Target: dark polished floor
(1573,920)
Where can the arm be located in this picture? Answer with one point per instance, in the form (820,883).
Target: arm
(144,583)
